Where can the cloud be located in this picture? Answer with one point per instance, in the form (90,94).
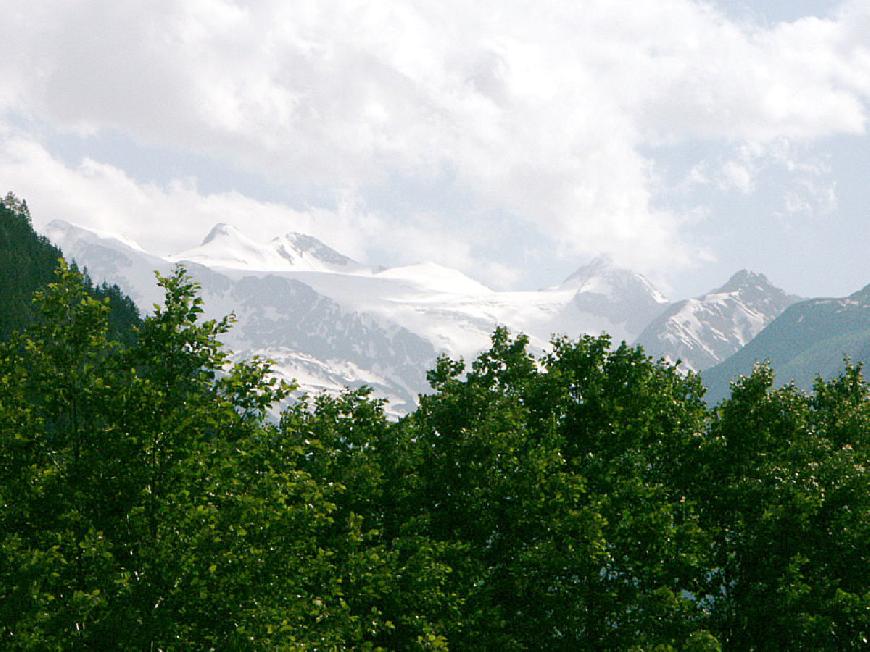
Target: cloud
(165,219)
(162,219)
(811,198)
(804,181)
(537,112)
(737,176)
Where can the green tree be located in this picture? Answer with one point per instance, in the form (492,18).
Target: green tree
(586,499)
(561,479)
(394,581)
(223,536)
(60,473)
(786,498)
(147,503)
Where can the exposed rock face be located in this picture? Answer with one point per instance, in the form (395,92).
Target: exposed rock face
(809,339)
(704,331)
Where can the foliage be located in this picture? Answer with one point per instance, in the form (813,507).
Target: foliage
(789,512)
(153,498)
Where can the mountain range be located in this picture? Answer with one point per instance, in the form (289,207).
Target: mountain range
(329,321)
(704,331)
(227,247)
(809,339)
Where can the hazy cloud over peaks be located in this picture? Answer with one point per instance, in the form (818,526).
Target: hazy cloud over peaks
(543,113)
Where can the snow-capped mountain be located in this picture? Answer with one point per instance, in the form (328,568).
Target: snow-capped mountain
(808,339)
(329,321)
(227,247)
(314,340)
(111,259)
(706,330)
(452,311)
(431,277)
(310,337)
(458,314)
(623,296)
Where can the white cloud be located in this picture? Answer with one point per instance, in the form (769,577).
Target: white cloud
(168,219)
(806,185)
(810,198)
(738,176)
(537,110)
(161,219)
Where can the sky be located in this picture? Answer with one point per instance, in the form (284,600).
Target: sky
(512,140)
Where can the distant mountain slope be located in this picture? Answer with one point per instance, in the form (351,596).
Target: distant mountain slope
(704,331)
(621,295)
(808,339)
(227,247)
(315,340)
(27,264)
(329,321)
(112,260)
(311,338)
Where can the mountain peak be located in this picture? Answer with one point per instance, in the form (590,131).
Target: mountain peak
(862,295)
(743,279)
(596,267)
(294,245)
(221,230)
(627,299)
(755,289)
(58,230)
(601,261)
(601,276)
(226,246)
(704,331)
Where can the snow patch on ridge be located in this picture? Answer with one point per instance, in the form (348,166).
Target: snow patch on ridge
(226,247)
(331,322)
(703,331)
(430,276)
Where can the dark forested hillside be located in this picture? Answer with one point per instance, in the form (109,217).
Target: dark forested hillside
(27,263)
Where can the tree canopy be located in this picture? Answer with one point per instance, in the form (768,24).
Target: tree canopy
(156,493)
